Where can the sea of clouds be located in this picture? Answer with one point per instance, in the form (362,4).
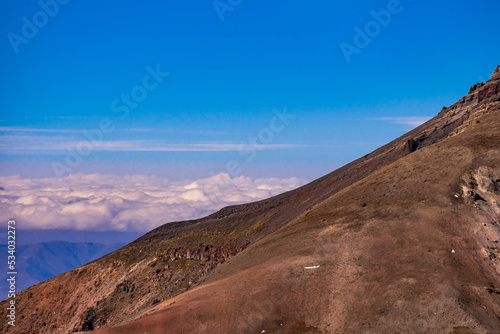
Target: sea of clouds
(101,202)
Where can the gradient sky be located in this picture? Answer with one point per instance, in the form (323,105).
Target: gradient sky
(225,79)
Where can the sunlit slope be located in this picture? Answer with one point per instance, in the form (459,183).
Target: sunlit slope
(412,248)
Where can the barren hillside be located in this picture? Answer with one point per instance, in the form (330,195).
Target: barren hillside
(402,240)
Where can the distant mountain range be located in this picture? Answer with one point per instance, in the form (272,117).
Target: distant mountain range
(40,261)
(25,237)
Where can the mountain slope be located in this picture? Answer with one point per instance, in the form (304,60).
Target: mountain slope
(412,248)
(40,261)
(264,246)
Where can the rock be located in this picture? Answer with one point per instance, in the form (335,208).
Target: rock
(489,91)
(411,145)
(496,73)
(476,86)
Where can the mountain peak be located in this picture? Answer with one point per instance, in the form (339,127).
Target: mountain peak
(496,73)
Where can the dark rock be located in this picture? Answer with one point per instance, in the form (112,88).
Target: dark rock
(476,86)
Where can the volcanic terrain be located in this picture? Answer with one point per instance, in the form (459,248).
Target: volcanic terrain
(403,240)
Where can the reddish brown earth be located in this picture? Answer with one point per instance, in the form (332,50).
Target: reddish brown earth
(406,240)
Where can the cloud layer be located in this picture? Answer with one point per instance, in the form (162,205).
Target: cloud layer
(125,203)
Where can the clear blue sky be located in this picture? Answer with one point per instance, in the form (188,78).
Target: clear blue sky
(225,78)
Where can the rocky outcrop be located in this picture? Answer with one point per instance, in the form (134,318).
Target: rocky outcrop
(490,90)
(475,87)
(170,272)
(482,99)
(481,189)
(456,118)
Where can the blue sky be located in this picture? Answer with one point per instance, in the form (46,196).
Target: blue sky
(225,78)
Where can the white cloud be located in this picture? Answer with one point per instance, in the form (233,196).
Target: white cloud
(17,143)
(411,121)
(21,129)
(126,203)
